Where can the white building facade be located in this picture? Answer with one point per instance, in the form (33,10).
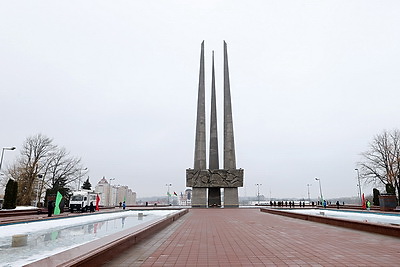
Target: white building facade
(112,195)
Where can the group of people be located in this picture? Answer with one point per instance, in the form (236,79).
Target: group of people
(122,204)
(286,204)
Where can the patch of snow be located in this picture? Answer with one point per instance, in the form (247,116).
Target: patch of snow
(364,216)
(49,237)
(22,208)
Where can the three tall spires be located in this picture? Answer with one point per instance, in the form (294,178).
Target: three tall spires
(200,142)
(207,183)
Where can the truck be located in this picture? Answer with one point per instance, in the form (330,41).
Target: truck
(80,200)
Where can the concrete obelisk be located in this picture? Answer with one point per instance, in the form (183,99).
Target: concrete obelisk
(214,193)
(231,196)
(213,179)
(199,196)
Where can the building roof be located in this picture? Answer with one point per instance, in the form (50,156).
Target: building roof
(103,181)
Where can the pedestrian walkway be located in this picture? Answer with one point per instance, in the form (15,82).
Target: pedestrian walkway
(248,237)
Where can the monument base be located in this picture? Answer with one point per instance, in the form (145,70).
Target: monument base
(199,197)
(231,197)
(211,182)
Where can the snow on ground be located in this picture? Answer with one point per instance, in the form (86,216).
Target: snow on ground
(29,227)
(49,237)
(364,216)
(21,208)
(25,208)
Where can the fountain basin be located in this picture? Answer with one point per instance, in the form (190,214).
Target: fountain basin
(384,229)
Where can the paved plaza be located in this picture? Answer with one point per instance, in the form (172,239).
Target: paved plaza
(248,237)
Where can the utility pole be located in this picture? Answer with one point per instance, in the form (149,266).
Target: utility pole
(359,186)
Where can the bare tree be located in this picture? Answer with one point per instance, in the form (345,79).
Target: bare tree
(62,169)
(43,165)
(34,153)
(381,164)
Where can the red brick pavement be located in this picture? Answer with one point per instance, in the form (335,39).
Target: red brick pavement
(248,237)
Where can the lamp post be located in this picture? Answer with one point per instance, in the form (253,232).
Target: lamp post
(308,191)
(320,188)
(109,198)
(2,154)
(37,198)
(168,185)
(359,185)
(258,193)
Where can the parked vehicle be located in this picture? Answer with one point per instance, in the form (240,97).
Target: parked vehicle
(80,200)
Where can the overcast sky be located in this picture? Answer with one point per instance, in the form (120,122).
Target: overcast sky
(115,83)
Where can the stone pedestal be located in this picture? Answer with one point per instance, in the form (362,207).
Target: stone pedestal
(199,197)
(213,181)
(19,240)
(231,197)
(387,202)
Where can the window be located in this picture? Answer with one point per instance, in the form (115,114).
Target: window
(77,198)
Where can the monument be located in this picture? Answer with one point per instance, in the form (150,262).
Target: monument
(207,183)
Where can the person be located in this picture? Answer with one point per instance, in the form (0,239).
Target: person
(91,207)
(120,204)
(324,204)
(50,208)
(147,203)
(123,205)
(337,204)
(368,203)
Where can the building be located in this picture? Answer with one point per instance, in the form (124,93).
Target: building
(185,199)
(126,194)
(112,195)
(104,190)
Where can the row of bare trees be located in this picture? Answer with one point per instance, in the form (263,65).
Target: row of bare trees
(381,162)
(42,165)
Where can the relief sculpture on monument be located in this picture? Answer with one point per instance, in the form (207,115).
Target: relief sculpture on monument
(214,178)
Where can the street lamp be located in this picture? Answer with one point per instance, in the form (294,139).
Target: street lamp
(308,191)
(359,185)
(2,154)
(320,188)
(168,191)
(258,193)
(37,198)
